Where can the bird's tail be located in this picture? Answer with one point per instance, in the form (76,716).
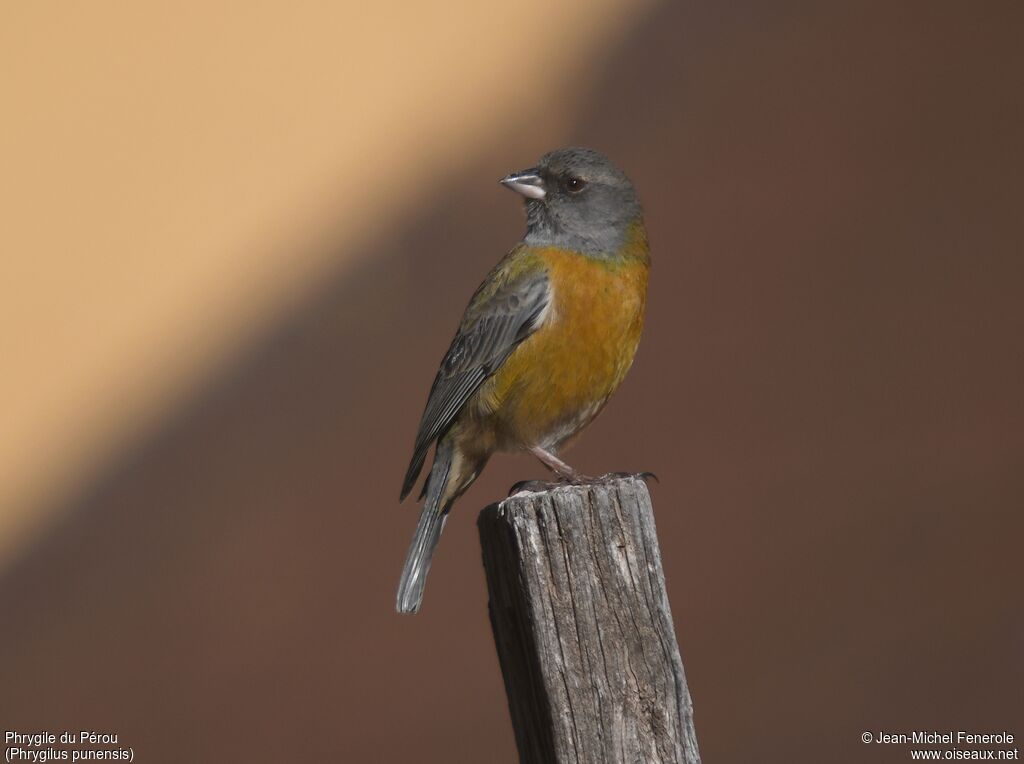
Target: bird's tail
(428,533)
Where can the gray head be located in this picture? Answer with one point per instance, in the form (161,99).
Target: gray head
(577,199)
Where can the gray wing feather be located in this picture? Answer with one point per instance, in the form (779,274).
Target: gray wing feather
(489,333)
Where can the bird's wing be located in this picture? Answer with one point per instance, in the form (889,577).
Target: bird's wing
(505,310)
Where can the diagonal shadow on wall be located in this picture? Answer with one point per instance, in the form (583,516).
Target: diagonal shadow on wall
(828,387)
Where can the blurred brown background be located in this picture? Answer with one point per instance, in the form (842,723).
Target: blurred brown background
(236,245)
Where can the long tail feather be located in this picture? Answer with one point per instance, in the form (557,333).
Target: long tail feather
(428,533)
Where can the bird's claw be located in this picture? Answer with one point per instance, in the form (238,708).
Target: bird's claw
(531,486)
(645,476)
(539,486)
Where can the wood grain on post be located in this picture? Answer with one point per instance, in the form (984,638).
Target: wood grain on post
(583,628)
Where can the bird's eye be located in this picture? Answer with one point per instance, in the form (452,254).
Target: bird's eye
(575,185)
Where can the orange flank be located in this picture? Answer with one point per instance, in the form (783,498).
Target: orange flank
(560,378)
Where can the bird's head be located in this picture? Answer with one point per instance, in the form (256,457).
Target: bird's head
(577,199)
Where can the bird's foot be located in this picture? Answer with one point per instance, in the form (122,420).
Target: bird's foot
(577,478)
(532,486)
(645,476)
(560,481)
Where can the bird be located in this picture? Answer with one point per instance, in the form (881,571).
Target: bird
(545,341)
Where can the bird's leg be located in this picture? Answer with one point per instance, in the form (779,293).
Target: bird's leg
(555,464)
(563,471)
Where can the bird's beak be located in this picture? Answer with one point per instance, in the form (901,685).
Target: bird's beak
(528,183)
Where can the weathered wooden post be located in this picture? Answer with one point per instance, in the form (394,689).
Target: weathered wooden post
(583,628)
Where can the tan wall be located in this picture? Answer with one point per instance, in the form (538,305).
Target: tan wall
(169,167)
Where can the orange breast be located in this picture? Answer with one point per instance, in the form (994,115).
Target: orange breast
(558,380)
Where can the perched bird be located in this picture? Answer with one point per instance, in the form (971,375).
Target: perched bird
(545,341)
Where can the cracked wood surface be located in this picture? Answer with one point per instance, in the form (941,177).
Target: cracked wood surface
(583,628)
